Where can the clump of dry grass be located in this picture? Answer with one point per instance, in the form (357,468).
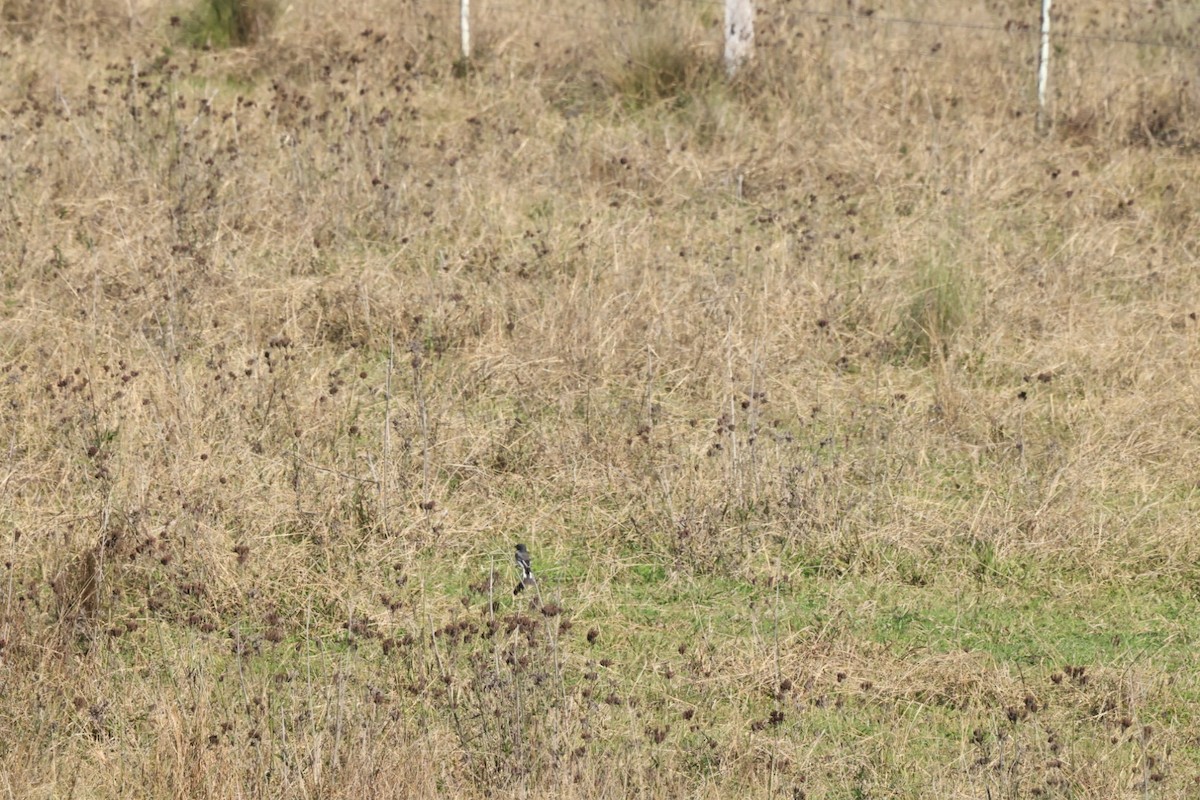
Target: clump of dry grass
(848,420)
(28,19)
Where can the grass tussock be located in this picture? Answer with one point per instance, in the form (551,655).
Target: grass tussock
(941,307)
(850,423)
(229,23)
(665,57)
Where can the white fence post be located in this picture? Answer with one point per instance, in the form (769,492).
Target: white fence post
(464,21)
(739,34)
(1043,67)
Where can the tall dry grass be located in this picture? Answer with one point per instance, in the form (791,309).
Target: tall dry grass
(298,339)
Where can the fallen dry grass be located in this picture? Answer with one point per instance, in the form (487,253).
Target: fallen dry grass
(852,425)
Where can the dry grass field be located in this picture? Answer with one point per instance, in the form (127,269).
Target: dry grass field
(853,426)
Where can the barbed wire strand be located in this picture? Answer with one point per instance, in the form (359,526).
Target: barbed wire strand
(492,7)
(1008,29)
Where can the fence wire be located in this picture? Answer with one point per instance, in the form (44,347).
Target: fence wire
(485,11)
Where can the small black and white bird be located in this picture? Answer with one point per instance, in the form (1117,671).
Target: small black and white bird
(526,565)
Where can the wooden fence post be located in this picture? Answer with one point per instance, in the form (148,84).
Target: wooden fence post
(739,34)
(464,23)
(1043,68)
